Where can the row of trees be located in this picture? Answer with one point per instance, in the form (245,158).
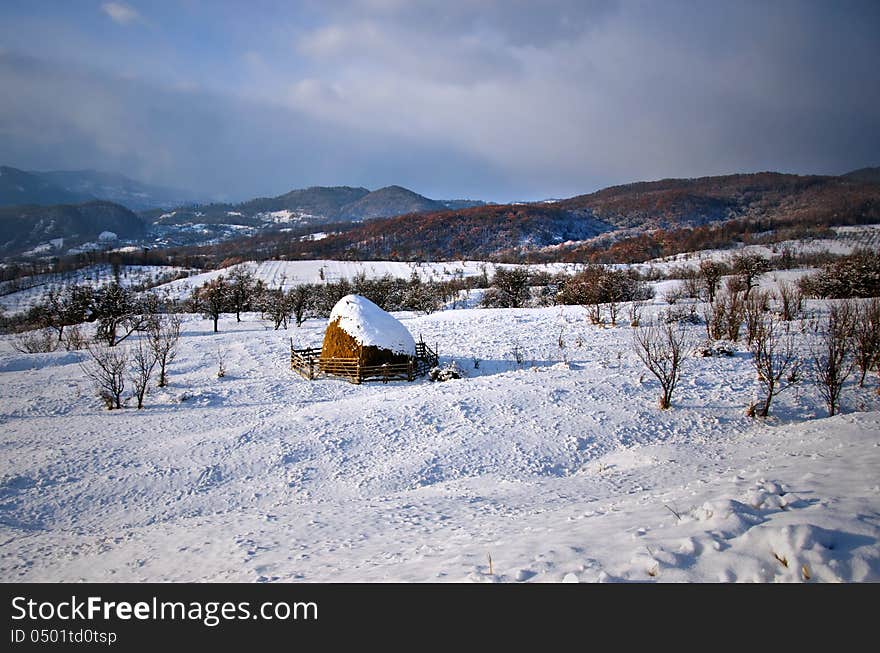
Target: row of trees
(240,291)
(846,340)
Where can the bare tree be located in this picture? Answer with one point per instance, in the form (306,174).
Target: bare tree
(212,299)
(119,311)
(662,348)
(776,362)
(831,353)
(240,290)
(143,360)
(277,305)
(711,273)
(106,368)
(866,336)
(635,312)
(163,338)
(748,267)
(299,299)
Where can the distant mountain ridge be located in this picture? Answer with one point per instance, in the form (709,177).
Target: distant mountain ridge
(587,225)
(315,205)
(867,175)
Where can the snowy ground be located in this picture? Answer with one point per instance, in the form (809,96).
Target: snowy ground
(559,467)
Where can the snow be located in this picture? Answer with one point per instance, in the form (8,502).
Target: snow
(369,325)
(107,236)
(560,468)
(848,239)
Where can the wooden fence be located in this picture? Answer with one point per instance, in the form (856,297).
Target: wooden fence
(309,364)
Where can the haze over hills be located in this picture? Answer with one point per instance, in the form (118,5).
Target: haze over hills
(113,187)
(20,187)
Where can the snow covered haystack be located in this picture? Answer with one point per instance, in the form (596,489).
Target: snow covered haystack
(358,329)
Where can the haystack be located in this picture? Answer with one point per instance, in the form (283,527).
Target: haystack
(358,329)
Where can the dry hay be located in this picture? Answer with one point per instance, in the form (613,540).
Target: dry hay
(339,344)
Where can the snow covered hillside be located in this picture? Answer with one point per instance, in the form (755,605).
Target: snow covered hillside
(21,294)
(287,274)
(551,457)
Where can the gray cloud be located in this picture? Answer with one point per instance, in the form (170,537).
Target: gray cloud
(501,100)
(73,118)
(121,13)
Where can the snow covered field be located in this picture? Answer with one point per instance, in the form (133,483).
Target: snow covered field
(560,468)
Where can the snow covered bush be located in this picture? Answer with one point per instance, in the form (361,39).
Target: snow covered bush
(722,348)
(449,371)
(509,289)
(855,275)
(37,341)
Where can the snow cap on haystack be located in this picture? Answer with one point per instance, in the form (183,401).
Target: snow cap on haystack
(370,326)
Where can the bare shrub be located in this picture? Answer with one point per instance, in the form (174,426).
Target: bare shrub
(221,363)
(510,288)
(594,313)
(754,307)
(724,316)
(663,348)
(791,300)
(163,336)
(143,360)
(38,341)
(635,312)
(775,359)
(692,285)
(106,368)
(673,294)
(866,336)
(831,353)
(74,339)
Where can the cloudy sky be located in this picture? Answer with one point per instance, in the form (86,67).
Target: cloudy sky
(492,99)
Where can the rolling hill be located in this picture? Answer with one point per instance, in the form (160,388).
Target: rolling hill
(55,229)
